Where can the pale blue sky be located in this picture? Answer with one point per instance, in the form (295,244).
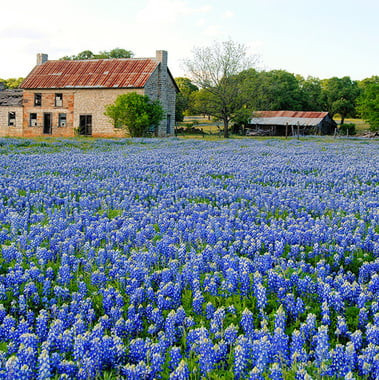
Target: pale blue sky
(318,38)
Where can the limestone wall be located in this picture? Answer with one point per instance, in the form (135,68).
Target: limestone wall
(48,106)
(93,102)
(5,129)
(160,86)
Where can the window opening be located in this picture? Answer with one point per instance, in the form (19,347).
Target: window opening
(62,119)
(12,119)
(33,120)
(58,100)
(37,100)
(168,125)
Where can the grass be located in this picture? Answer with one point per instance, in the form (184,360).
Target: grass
(208,126)
(360,125)
(214,129)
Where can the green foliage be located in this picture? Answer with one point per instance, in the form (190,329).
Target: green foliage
(340,96)
(272,90)
(368,102)
(184,99)
(347,129)
(12,82)
(201,102)
(311,91)
(215,69)
(185,85)
(137,113)
(181,106)
(113,213)
(88,54)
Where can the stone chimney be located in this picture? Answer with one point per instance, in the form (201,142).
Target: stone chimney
(161,56)
(166,99)
(41,58)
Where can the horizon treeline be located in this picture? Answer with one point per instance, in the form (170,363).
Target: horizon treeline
(276,90)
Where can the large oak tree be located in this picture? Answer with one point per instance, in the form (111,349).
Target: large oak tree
(340,96)
(215,70)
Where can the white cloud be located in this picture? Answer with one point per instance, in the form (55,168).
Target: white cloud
(201,22)
(227,15)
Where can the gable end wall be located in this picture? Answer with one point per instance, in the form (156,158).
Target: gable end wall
(160,86)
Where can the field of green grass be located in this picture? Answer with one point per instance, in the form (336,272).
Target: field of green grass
(360,125)
(213,130)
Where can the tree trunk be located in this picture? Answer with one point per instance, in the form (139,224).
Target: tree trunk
(226,128)
(342,119)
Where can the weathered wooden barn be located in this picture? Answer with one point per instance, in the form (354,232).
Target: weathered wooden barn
(291,123)
(64,98)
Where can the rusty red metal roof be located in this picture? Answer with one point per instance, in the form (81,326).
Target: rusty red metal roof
(297,114)
(97,73)
(300,118)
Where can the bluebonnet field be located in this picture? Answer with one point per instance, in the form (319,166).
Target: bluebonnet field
(177,259)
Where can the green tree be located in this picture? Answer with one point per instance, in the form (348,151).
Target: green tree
(272,90)
(215,69)
(368,102)
(88,54)
(340,96)
(202,103)
(136,113)
(279,90)
(12,82)
(120,53)
(184,99)
(181,105)
(311,93)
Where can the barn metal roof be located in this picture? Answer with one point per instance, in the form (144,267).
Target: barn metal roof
(97,73)
(300,118)
(11,98)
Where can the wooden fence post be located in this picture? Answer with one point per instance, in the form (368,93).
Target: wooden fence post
(298,131)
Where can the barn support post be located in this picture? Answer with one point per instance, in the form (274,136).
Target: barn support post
(298,131)
(286,130)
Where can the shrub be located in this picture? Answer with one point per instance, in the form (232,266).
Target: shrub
(137,113)
(347,129)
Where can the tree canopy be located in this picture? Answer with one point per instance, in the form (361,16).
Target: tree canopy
(88,54)
(184,99)
(135,112)
(340,96)
(368,102)
(280,90)
(12,82)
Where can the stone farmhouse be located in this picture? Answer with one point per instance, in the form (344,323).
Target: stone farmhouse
(64,98)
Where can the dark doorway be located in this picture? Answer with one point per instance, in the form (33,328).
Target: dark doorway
(168,125)
(47,123)
(85,125)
